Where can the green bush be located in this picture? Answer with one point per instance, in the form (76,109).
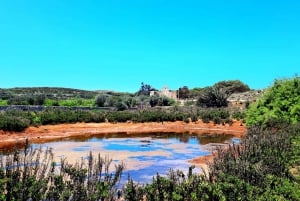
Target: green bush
(51,102)
(120,116)
(238,115)
(258,169)
(279,103)
(3,102)
(32,174)
(100,100)
(218,116)
(213,97)
(13,123)
(77,102)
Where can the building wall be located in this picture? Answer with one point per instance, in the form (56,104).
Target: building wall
(165,92)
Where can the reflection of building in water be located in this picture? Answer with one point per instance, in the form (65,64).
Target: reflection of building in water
(165,91)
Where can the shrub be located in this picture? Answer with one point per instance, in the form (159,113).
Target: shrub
(213,97)
(100,100)
(279,103)
(120,116)
(238,115)
(3,102)
(32,174)
(218,116)
(13,123)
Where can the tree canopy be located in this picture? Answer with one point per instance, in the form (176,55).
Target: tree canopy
(280,103)
(145,89)
(232,86)
(216,95)
(184,92)
(212,97)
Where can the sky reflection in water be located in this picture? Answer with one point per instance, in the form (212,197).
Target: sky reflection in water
(144,155)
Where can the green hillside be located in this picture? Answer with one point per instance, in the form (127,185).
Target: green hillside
(48,92)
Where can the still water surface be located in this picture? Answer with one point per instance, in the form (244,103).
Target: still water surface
(145,154)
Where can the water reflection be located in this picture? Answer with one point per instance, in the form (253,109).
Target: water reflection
(143,154)
(184,137)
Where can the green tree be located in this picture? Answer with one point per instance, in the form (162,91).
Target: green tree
(3,102)
(154,100)
(160,101)
(195,92)
(184,92)
(213,97)
(130,101)
(145,89)
(100,100)
(39,100)
(232,86)
(280,103)
(216,95)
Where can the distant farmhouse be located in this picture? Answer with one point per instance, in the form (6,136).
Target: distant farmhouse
(235,100)
(165,91)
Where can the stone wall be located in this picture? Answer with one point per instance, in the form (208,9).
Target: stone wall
(38,108)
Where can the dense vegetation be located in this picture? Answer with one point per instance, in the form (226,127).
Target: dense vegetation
(281,102)
(19,120)
(32,174)
(212,96)
(265,166)
(216,95)
(140,101)
(258,169)
(74,97)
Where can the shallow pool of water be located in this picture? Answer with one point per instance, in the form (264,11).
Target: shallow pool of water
(144,155)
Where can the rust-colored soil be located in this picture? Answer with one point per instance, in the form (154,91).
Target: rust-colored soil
(54,132)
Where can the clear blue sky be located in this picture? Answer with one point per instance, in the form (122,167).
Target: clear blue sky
(117,44)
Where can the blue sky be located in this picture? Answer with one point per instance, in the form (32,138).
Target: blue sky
(117,44)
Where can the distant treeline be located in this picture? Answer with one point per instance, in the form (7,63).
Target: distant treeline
(211,96)
(265,166)
(46,92)
(38,108)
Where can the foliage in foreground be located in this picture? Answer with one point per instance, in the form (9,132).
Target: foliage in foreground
(33,175)
(257,169)
(279,103)
(263,160)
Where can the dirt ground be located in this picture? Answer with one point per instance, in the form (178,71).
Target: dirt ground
(49,133)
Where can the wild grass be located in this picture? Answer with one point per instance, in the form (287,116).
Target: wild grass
(32,174)
(257,169)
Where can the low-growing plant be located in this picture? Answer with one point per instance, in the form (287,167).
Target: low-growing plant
(32,174)
(17,120)
(3,102)
(257,169)
(238,115)
(13,123)
(77,102)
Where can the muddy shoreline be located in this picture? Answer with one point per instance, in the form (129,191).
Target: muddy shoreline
(48,133)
